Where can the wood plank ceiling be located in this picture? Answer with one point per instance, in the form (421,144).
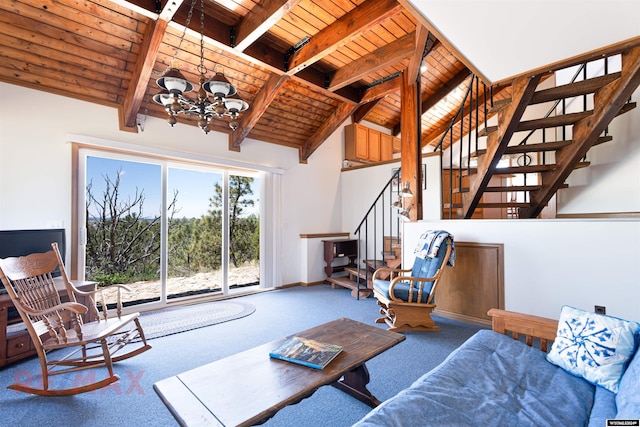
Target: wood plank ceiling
(304,66)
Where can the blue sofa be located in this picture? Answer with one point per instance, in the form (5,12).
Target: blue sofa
(493,379)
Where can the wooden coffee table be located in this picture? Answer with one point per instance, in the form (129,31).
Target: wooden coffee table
(250,387)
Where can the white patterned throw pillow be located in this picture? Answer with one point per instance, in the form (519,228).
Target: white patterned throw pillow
(593,346)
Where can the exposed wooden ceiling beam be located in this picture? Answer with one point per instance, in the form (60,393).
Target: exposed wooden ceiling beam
(432,100)
(259,53)
(366,16)
(263,16)
(259,105)
(456,81)
(338,116)
(362,111)
(423,44)
(387,55)
(142,73)
(263,55)
(380,90)
(146,7)
(436,131)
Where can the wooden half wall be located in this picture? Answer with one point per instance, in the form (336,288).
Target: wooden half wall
(551,263)
(476,283)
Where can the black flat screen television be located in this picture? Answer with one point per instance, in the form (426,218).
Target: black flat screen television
(15,243)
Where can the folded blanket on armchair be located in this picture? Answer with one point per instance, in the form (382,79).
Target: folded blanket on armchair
(430,242)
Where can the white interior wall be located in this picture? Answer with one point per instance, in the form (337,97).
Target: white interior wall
(360,187)
(35,165)
(550,263)
(529,30)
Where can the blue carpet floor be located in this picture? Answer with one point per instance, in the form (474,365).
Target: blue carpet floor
(132,402)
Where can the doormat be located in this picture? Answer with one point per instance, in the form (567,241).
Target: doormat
(174,320)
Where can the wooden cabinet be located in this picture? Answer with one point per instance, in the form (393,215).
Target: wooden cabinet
(387,146)
(339,254)
(15,342)
(396,145)
(363,144)
(374,145)
(359,142)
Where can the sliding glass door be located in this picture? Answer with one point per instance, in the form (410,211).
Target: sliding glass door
(169,230)
(244,231)
(123,221)
(194,255)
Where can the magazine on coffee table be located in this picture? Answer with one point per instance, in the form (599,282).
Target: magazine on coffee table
(306,352)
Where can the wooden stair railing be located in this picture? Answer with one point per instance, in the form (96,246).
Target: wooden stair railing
(554,160)
(378,236)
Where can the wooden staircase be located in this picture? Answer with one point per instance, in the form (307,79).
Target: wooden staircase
(391,257)
(552,161)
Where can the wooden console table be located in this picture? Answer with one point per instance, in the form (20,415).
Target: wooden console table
(17,345)
(250,387)
(339,249)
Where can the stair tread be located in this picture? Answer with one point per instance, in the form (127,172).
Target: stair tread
(487,130)
(370,263)
(569,90)
(506,188)
(538,147)
(460,189)
(510,170)
(603,139)
(553,121)
(503,205)
(364,274)
(345,282)
(498,105)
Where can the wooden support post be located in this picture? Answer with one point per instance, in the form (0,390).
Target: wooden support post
(411,152)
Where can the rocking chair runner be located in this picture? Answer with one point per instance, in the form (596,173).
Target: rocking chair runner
(54,325)
(406,301)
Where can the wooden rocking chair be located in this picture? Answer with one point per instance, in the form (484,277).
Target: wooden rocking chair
(55,325)
(407,300)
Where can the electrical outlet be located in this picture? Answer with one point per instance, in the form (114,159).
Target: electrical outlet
(600,309)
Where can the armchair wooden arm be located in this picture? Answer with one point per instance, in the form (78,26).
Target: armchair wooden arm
(393,272)
(75,307)
(100,289)
(416,287)
(91,295)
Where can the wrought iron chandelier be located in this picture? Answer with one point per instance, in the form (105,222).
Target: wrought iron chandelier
(224,101)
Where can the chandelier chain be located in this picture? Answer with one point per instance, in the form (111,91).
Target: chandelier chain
(201,68)
(184,33)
